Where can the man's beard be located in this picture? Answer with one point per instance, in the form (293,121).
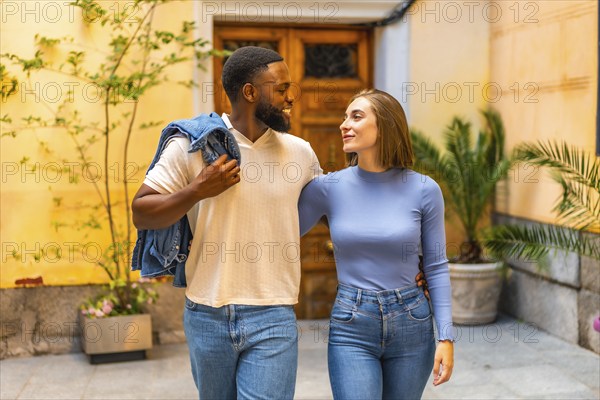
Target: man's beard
(272,117)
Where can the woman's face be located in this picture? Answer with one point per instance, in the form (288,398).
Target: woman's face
(359,129)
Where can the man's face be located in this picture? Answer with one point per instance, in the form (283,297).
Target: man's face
(275,103)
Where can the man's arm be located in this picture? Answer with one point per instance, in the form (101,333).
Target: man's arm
(153,210)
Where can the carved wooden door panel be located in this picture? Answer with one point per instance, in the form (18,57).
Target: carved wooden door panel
(327,67)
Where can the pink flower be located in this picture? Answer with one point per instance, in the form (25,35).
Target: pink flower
(128,306)
(99,313)
(149,301)
(84,312)
(134,285)
(107,307)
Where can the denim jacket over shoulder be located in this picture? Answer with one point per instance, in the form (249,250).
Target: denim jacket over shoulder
(160,252)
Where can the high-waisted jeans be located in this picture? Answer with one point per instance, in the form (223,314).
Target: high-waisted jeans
(381,343)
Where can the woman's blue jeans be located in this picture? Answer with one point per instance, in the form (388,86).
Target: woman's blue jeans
(381,343)
(241,351)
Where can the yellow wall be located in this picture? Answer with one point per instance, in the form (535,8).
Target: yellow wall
(450,71)
(27,210)
(449,64)
(550,53)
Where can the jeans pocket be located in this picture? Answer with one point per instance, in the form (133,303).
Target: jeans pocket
(342,313)
(421,312)
(190,305)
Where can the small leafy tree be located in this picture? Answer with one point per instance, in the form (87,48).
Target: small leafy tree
(137,58)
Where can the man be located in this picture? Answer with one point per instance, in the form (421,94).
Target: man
(243,268)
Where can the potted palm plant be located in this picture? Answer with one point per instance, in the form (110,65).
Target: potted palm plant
(468,174)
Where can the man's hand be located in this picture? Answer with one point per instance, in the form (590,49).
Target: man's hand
(443,362)
(214,179)
(420,279)
(153,210)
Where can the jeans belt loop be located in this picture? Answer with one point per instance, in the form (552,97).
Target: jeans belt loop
(398,295)
(358,296)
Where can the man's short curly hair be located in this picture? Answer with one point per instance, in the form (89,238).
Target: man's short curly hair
(243,65)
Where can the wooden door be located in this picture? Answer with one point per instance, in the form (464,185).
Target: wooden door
(327,66)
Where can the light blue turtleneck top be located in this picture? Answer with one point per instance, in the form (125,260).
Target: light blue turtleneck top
(379,223)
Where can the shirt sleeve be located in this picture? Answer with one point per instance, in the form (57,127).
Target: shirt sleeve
(435,262)
(312,204)
(313,168)
(170,173)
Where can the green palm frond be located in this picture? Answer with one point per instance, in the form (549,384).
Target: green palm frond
(427,155)
(579,205)
(458,142)
(496,127)
(429,160)
(570,161)
(467,172)
(578,208)
(460,171)
(535,242)
(577,172)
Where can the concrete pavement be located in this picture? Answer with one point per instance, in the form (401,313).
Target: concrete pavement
(505,360)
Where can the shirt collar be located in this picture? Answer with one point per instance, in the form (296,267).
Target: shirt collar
(225,119)
(240,136)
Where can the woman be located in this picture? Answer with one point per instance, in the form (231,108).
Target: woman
(382,217)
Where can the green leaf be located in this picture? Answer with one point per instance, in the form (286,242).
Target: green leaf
(534,242)
(45,41)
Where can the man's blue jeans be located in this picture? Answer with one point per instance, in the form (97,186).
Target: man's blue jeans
(381,343)
(241,351)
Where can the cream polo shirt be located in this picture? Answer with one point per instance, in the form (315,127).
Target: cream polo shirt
(246,246)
